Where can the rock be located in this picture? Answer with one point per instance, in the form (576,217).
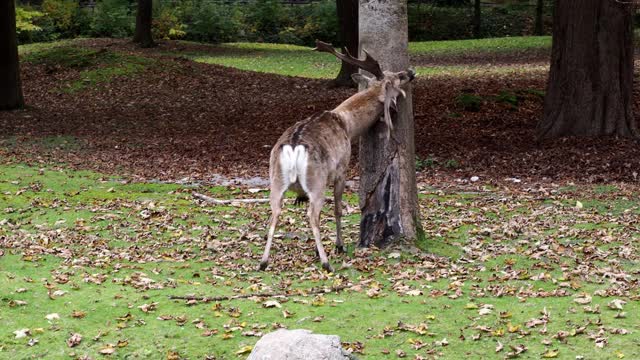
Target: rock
(298,344)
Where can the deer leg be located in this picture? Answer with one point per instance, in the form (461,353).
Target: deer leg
(275,199)
(338,189)
(315,205)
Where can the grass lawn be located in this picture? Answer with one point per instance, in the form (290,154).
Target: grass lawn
(96,67)
(89,254)
(99,67)
(294,60)
(487,46)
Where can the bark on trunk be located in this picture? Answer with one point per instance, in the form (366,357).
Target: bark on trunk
(144,17)
(388,194)
(589,92)
(477,19)
(348,18)
(10,85)
(539,27)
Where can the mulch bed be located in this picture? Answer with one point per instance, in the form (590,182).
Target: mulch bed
(189,120)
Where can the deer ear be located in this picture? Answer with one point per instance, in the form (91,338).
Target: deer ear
(362,80)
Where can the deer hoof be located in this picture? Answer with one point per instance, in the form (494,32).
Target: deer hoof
(327,267)
(341,249)
(263,265)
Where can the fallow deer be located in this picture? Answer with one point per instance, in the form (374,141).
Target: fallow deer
(316,151)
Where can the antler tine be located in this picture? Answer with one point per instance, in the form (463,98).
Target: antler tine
(368,64)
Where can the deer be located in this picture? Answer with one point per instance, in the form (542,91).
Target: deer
(315,152)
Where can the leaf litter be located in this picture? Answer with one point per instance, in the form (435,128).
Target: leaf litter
(493,251)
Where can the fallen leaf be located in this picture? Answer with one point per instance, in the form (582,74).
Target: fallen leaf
(74,340)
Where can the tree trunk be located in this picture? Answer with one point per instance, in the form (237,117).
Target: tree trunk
(348,18)
(591,78)
(539,27)
(10,86)
(144,18)
(388,194)
(477,19)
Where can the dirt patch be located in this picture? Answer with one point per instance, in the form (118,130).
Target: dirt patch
(183,119)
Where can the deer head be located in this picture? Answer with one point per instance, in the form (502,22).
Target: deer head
(388,84)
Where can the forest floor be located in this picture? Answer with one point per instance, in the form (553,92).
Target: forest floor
(539,258)
(104,105)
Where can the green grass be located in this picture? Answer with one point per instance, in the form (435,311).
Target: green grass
(300,61)
(98,67)
(95,66)
(488,46)
(112,246)
(279,59)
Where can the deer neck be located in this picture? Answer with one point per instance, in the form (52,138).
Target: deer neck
(360,111)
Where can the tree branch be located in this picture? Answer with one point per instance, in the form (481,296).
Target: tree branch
(209,199)
(207,299)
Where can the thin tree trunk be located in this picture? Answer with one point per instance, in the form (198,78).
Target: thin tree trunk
(477,19)
(388,194)
(144,18)
(589,92)
(10,85)
(539,27)
(348,18)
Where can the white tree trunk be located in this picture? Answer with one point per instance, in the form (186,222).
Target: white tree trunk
(388,194)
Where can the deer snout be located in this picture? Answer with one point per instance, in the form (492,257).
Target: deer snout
(412,74)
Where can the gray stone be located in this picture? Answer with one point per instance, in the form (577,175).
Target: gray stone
(298,345)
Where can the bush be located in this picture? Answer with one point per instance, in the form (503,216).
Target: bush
(166,25)
(33,26)
(455,23)
(25,20)
(214,23)
(113,18)
(62,14)
(265,20)
(320,23)
(469,102)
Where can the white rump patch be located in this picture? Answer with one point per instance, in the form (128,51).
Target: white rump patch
(293,163)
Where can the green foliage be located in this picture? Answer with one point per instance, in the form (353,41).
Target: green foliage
(166,25)
(265,20)
(455,23)
(322,23)
(509,98)
(212,22)
(25,20)
(452,164)
(427,163)
(258,21)
(62,13)
(113,18)
(469,102)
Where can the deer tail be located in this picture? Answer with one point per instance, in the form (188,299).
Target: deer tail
(293,163)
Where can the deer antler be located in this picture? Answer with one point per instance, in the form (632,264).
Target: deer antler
(368,64)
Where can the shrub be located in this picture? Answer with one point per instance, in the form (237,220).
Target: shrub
(214,23)
(33,26)
(112,18)
(455,23)
(265,20)
(166,25)
(509,98)
(469,102)
(25,20)
(320,23)
(62,14)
